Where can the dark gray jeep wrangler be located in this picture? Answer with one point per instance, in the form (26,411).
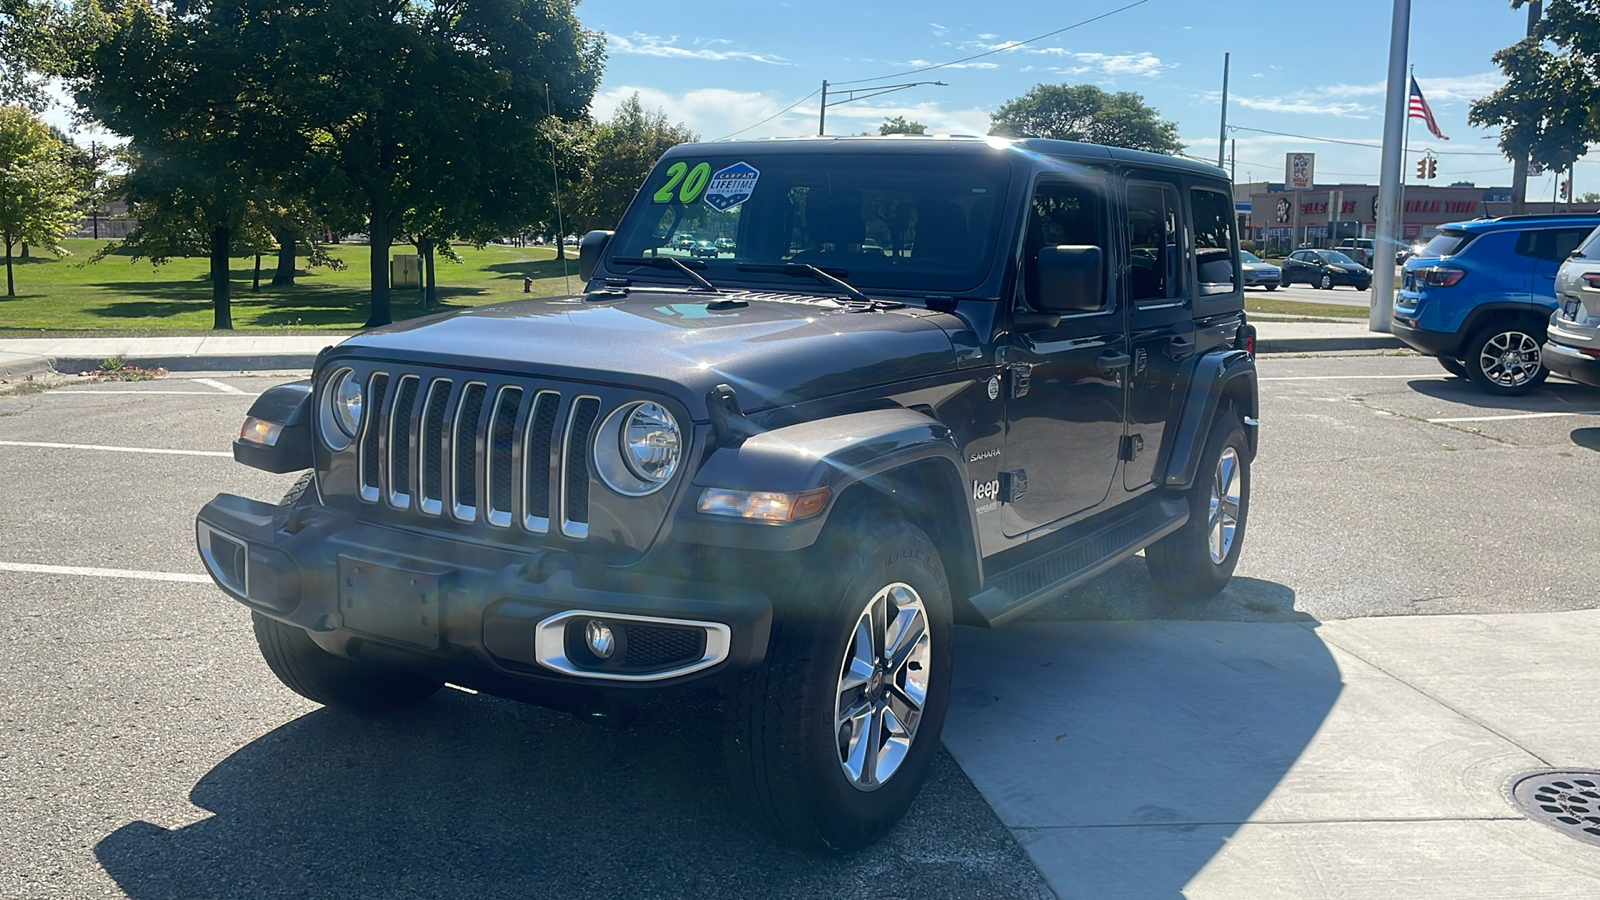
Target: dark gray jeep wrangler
(819,401)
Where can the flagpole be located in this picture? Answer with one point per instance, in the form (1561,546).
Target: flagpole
(1400,217)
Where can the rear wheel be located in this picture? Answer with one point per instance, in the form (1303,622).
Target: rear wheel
(1503,358)
(1196,561)
(836,729)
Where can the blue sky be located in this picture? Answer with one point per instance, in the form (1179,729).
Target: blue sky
(1305,69)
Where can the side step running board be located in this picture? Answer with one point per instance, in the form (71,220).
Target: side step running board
(1010,593)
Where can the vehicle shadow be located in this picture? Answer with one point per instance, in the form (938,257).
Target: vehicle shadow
(1126,755)
(477,797)
(1552,396)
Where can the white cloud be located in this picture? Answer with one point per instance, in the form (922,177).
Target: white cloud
(938,30)
(1453,89)
(1142,64)
(987,37)
(715,112)
(655,45)
(1337,109)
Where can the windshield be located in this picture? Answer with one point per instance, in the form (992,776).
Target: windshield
(904,223)
(1335,256)
(1249,257)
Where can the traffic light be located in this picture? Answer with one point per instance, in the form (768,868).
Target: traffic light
(1566,187)
(1433,167)
(1422,169)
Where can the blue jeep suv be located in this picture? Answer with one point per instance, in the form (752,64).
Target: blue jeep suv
(1480,294)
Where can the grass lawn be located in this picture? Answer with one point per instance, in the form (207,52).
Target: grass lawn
(1256,301)
(118,295)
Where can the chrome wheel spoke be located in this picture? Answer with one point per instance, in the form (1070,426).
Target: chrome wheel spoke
(883,684)
(1223,515)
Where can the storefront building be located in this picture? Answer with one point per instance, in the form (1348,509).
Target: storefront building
(1282,220)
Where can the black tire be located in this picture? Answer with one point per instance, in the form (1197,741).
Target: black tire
(1326,282)
(1454,366)
(1182,563)
(1495,376)
(1271,287)
(298,492)
(321,677)
(1283,281)
(786,746)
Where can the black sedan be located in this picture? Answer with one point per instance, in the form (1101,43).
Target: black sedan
(1324,269)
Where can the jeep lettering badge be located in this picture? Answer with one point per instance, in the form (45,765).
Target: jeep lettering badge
(520,498)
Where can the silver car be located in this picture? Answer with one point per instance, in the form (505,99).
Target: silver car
(1572,344)
(1258,273)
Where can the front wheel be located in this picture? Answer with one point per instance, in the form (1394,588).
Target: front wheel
(1504,359)
(837,728)
(1453,366)
(322,677)
(1326,283)
(1272,287)
(1196,561)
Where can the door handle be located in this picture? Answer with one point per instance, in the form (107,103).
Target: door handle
(1110,362)
(1181,345)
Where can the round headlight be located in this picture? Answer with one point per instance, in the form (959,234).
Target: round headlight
(637,448)
(347,404)
(651,445)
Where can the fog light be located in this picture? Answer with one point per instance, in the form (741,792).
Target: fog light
(260,431)
(601,640)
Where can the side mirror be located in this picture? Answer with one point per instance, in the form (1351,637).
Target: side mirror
(589,252)
(1071,279)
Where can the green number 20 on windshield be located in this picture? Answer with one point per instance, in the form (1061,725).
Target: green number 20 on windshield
(692,185)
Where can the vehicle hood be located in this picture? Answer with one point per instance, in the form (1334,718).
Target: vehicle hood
(772,352)
(1260,267)
(1353,268)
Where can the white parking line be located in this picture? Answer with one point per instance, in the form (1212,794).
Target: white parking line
(51,446)
(105,573)
(1351,377)
(225,388)
(1536,415)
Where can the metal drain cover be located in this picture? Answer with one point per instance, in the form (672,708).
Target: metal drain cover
(1567,800)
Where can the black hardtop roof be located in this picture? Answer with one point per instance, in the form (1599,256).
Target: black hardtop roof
(936,145)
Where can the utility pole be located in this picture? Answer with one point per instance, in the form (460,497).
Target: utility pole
(1233,161)
(1519,174)
(1222,137)
(1381,315)
(822,110)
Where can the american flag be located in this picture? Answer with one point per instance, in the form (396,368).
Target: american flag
(1419,110)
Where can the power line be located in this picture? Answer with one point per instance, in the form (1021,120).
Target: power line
(1369,146)
(771,117)
(1012,45)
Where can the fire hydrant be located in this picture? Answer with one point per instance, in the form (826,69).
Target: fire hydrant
(527,285)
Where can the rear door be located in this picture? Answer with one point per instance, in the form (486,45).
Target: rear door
(1547,248)
(1159,238)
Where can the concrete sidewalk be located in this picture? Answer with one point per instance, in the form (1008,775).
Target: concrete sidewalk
(1356,759)
(266,352)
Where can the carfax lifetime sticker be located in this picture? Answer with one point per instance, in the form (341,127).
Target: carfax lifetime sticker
(731,186)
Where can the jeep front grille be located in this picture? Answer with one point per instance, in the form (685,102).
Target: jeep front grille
(490,453)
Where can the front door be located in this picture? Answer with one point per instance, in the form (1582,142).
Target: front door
(1065,381)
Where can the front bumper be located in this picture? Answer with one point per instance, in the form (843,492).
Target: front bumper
(460,607)
(1569,362)
(1261,278)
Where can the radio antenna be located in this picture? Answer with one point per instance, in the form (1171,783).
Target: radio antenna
(555,176)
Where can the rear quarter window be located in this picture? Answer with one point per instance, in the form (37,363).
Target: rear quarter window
(1447,243)
(1550,244)
(1590,248)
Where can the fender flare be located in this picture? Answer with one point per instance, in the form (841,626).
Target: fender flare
(288,405)
(875,447)
(1213,376)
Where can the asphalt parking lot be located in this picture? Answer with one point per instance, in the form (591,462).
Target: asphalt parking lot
(148,752)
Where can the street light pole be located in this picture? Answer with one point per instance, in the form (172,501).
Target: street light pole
(1381,315)
(822,111)
(853,94)
(1222,138)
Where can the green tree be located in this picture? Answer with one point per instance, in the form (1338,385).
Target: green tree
(619,154)
(40,190)
(432,111)
(899,125)
(1548,111)
(1086,113)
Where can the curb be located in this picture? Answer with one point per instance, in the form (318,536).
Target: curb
(197,363)
(1325,344)
(25,367)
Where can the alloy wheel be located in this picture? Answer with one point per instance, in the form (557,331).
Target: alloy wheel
(1510,359)
(1224,514)
(883,686)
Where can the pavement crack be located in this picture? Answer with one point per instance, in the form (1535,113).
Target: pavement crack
(1475,432)
(1460,712)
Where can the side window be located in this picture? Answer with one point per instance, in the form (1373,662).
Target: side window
(1213,242)
(1062,215)
(1155,248)
(1550,244)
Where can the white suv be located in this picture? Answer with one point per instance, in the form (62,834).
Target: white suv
(1572,346)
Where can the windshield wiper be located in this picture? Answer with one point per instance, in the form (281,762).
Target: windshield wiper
(806,270)
(668,262)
